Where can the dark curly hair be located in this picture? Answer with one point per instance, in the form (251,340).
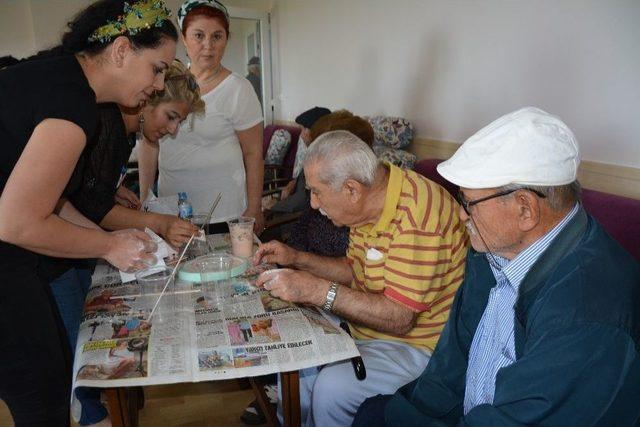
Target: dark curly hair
(76,38)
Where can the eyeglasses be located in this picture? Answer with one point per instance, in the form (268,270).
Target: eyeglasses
(466,204)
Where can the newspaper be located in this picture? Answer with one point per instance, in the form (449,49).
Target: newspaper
(242,331)
(163,251)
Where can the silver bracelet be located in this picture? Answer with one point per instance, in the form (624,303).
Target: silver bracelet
(331,296)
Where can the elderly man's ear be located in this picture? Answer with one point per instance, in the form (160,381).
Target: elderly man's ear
(353,189)
(529,213)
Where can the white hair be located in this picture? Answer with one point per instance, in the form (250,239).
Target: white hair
(558,197)
(343,156)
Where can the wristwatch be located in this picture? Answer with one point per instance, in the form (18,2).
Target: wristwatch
(331,296)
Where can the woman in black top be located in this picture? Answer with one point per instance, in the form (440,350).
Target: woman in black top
(48,111)
(100,177)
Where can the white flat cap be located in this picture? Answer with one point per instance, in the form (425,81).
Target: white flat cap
(528,146)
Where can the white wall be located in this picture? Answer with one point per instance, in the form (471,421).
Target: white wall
(50,19)
(259,5)
(235,56)
(16,29)
(39,24)
(452,66)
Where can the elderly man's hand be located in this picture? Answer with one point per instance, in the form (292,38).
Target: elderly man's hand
(275,252)
(294,286)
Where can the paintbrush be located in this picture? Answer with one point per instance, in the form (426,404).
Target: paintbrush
(184,251)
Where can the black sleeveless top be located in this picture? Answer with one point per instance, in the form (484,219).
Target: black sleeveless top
(101,165)
(98,172)
(31,92)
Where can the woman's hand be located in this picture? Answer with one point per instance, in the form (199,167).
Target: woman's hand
(131,250)
(176,231)
(258,226)
(127,198)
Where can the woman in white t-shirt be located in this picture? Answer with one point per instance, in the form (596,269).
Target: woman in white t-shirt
(222,150)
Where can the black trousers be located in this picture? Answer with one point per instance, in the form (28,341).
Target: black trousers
(35,359)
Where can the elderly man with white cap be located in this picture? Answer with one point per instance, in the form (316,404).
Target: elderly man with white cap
(545,329)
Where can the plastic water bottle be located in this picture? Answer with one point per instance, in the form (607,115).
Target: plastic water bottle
(185,210)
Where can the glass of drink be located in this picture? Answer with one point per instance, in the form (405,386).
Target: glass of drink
(215,273)
(199,219)
(199,247)
(152,281)
(241,233)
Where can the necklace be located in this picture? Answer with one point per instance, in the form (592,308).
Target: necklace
(211,77)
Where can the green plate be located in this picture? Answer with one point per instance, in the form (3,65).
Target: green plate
(190,272)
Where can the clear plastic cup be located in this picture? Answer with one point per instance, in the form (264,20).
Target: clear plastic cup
(241,234)
(152,281)
(215,273)
(198,247)
(199,219)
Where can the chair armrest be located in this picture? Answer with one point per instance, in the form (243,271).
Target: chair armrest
(277,171)
(272,191)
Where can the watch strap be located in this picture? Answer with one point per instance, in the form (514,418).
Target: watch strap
(331,297)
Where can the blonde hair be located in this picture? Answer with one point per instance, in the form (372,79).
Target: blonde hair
(179,86)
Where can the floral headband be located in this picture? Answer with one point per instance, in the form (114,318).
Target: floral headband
(136,17)
(188,5)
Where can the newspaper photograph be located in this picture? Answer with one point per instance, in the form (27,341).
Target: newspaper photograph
(196,335)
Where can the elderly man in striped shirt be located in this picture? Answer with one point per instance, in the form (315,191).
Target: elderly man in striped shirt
(545,329)
(395,285)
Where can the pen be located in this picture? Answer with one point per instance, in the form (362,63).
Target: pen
(357,362)
(123,174)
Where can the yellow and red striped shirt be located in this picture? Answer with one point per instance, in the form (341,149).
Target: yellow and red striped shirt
(417,253)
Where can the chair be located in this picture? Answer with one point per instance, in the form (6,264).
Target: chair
(277,176)
(286,168)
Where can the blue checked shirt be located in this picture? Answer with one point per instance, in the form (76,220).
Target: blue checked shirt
(493,347)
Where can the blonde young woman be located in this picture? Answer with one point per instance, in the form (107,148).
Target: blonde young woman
(48,112)
(221,151)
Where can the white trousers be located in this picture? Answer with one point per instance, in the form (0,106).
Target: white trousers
(330,395)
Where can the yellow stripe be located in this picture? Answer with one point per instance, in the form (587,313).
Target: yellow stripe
(426,264)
